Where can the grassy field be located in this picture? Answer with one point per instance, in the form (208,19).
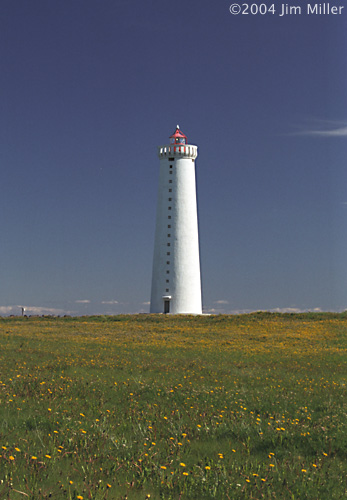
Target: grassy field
(160,407)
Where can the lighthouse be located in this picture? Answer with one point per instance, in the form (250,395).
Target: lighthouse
(176,281)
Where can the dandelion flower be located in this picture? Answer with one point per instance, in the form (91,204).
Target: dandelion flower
(163,467)
(33,458)
(185,473)
(182,464)
(48,456)
(11,457)
(17,449)
(208,467)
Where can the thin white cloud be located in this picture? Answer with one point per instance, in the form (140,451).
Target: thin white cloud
(82,301)
(323,128)
(109,302)
(338,132)
(241,311)
(213,310)
(250,311)
(43,310)
(9,309)
(294,310)
(28,310)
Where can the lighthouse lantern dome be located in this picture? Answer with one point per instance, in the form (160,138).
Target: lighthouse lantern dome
(178,137)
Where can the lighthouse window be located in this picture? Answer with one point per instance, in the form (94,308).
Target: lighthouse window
(170,181)
(170,190)
(171,172)
(170,166)
(168,253)
(167,281)
(169,225)
(168,245)
(170,199)
(171,159)
(169,235)
(169,216)
(168,262)
(167,272)
(167,289)
(169,208)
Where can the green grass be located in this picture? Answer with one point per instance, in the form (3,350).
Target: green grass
(224,407)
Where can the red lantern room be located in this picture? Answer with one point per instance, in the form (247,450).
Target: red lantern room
(178,137)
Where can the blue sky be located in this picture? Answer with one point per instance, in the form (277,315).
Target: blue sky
(90,88)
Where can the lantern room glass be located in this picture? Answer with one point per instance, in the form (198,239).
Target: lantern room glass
(177,140)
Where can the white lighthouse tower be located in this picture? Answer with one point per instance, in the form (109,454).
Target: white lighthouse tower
(176,282)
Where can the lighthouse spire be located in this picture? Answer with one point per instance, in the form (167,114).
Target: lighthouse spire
(178,137)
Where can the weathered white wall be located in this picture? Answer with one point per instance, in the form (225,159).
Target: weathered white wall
(183,270)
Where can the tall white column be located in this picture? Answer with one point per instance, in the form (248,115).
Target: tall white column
(176,281)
